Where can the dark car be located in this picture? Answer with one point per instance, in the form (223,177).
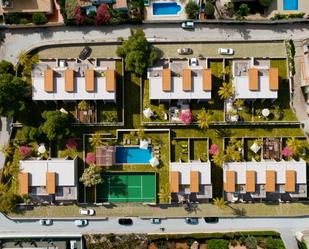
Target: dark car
(192,221)
(85,53)
(211,219)
(125,221)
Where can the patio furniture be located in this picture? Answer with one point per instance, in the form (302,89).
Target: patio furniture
(128,141)
(255,148)
(136,140)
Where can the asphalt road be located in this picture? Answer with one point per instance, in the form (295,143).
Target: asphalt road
(286,226)
(23,39)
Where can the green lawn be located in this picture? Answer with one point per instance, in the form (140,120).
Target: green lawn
(199,149)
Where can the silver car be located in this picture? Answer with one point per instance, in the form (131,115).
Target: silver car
(81,223)
(226,51)
(184,51)
(46,222)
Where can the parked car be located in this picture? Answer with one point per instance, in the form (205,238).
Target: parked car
(85,53)
(87,211)
(125,221)
(192,221)
(184,51)
(46,222)
(211,219)
(226,51)
(193,62)
(156,221)
(81,223)
(187,25)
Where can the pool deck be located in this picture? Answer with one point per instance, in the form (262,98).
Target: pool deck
(277,7)
(149,16)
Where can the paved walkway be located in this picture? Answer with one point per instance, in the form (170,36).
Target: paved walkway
(299,102)
(5,134)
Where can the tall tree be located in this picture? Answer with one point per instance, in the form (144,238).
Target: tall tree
(91,177)
(192,9)
(203,119)
(137,53)
(13,93)
(102,15)
(295,145)
(226,91)
(56,125)
(219,202)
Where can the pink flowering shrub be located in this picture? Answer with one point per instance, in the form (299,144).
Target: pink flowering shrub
(287,152)
(71,143)
(24,151)
(186,116)
(90,158)
(213,149)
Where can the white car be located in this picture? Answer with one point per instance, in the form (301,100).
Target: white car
(187,25)
(193,62)
(89,212)
(46,222)
(226,51)
(81,223)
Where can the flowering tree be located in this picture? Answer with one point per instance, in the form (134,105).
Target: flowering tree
(91,177)
(102,15)
(186,116)
(78,15)
(213,149)
(71,143)
(90,158)
(24,151)
(287,152)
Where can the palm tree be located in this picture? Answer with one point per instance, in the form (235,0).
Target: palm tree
(239,103)
(240,212)
(218,158)
(295,145)
(95,140)
(164,194)
(219,202)
(83,105)
(203,119)
(23,58)
(226,91)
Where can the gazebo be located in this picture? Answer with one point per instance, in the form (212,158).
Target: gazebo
(105,155)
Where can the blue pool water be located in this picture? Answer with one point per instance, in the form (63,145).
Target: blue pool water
(169,8)
(290,4)
(132,155)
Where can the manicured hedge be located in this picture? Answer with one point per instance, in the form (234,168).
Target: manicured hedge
(217,244)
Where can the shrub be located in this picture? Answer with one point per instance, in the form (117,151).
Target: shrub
(71,143)
(234,242)
(251,242)
(189,242)
(12,18)
(213,149)
(242,11)
(217,244)
(265,3)
(302,245)
(24,151)
(90,158)
(79,16)
(192,9)
(102,15)
(209,9)
(23,21)
(186,117)
(274,243)
(6,67)
(39,18)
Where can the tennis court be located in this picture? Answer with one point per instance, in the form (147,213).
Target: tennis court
(127,187)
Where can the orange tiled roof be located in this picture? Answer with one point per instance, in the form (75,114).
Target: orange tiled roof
(194,182)
(273,76)
(69,80)
(207,79)
(270,185)
(166,80)
(186,79)
(230,181)
(89,80)
(250,181)
(253,79)
(174,181)
(51,183)
(49,80)
(110,80)
(290,176)
(23,183)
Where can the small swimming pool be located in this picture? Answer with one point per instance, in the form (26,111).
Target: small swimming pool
(132,155)
(165,8)
(290,4)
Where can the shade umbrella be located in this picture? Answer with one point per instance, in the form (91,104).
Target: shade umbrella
(154,162)
(255,147)
(143,144)
(148,113)
(265,112)
(42,149)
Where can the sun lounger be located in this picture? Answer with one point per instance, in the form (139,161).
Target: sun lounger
(128,141)
(136,141)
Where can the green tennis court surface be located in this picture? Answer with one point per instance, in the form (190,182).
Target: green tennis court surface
(127,187)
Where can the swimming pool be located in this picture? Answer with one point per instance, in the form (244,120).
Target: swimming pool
(165,8)
(290,4)
(132,155)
